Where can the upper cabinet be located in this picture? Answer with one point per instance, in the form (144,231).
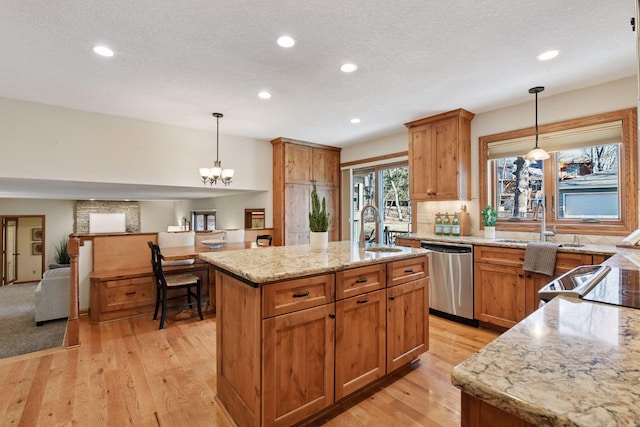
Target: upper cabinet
(440,156)
(297,165)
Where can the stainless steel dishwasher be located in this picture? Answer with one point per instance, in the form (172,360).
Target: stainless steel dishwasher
(451,281)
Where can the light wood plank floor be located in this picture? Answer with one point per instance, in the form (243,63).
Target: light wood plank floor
(130,373)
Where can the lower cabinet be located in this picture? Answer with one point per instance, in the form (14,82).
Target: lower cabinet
(407,322)
(360,342)
(298,367)
(504,293)
(288,350)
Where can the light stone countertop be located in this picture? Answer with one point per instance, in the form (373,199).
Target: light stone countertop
(571,363)
(509,243)
(273,263)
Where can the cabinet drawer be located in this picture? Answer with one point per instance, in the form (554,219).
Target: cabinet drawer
(567,261)
(293,295)
(407,270)
(359,280)
(127,293)
(498,255)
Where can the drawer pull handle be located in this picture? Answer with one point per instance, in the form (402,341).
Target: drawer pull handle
(392,297)
(332,315)
(363,301)
(521,259)
(301,294)
(362,280)
(131,293)
(408,270)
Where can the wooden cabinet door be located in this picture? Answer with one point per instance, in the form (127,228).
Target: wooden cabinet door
(420,170)
(331,195)
(325,166)
(360,341)
(407,322)
(298,204)
(444,161)
(297,365)
(297,163)
(499,294)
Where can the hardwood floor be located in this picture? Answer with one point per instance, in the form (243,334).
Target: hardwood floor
(131,373)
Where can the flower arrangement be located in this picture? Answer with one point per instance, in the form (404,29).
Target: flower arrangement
(489,216)
(318,217)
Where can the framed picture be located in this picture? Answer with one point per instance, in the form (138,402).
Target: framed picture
(36,248)
(36,234)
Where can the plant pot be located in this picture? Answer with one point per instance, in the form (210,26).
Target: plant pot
(489,232)
(319,240)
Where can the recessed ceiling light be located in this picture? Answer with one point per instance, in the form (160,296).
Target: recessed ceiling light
(550,54)
(264,94)
(355,120)
(286,41)
(103,51)
(348,68)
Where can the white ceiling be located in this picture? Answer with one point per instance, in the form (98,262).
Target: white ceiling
(176,62)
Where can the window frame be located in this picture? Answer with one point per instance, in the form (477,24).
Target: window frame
(628,174)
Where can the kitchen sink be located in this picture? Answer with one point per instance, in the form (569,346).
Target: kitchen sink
(383,249)
(512,241)
(571,245)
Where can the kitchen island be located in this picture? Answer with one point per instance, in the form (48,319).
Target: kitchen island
(570,363)
(298,331)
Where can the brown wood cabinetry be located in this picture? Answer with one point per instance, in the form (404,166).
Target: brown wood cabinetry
(360,342)
(504,293)
(296,166)
(410,243)
(289,349)
(440,156)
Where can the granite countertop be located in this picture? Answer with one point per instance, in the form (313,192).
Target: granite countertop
(273,263)
(571,363)
(510,243)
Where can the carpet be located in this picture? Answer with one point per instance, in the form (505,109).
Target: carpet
(18,331)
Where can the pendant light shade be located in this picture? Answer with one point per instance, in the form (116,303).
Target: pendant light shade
(537,153)
(216,173)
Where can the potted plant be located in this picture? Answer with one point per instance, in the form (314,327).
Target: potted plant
(318,223)
(61,254)
(489,218)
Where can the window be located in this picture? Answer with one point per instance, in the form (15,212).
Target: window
(588,186)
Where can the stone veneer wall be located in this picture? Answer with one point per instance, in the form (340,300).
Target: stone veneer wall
(85,207)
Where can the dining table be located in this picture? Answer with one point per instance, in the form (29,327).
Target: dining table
(177,253)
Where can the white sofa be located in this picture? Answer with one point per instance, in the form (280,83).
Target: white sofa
(52,295)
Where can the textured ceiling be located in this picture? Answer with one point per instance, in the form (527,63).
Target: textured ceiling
(176,62)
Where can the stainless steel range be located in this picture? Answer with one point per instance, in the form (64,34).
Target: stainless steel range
(597,283)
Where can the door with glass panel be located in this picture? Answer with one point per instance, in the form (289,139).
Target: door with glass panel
(386,188)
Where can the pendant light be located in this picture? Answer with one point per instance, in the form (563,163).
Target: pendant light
(216,173)
(537,153)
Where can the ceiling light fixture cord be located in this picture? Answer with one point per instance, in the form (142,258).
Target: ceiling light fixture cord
(536,153)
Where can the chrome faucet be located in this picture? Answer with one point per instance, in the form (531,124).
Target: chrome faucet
(376,219)
(543,225)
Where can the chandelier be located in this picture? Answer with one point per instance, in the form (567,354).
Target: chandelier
(216,173)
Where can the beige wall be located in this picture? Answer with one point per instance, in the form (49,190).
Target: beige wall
(614,95)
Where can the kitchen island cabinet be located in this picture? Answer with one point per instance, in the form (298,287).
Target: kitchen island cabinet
(297,331)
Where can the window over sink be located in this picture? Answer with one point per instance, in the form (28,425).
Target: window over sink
(587,186)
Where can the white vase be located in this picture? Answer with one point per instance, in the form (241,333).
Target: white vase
(319,240)
(489,232)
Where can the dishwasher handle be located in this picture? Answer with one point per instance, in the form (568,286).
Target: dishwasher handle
(447,249)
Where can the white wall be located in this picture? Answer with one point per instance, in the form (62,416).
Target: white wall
(54,143)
